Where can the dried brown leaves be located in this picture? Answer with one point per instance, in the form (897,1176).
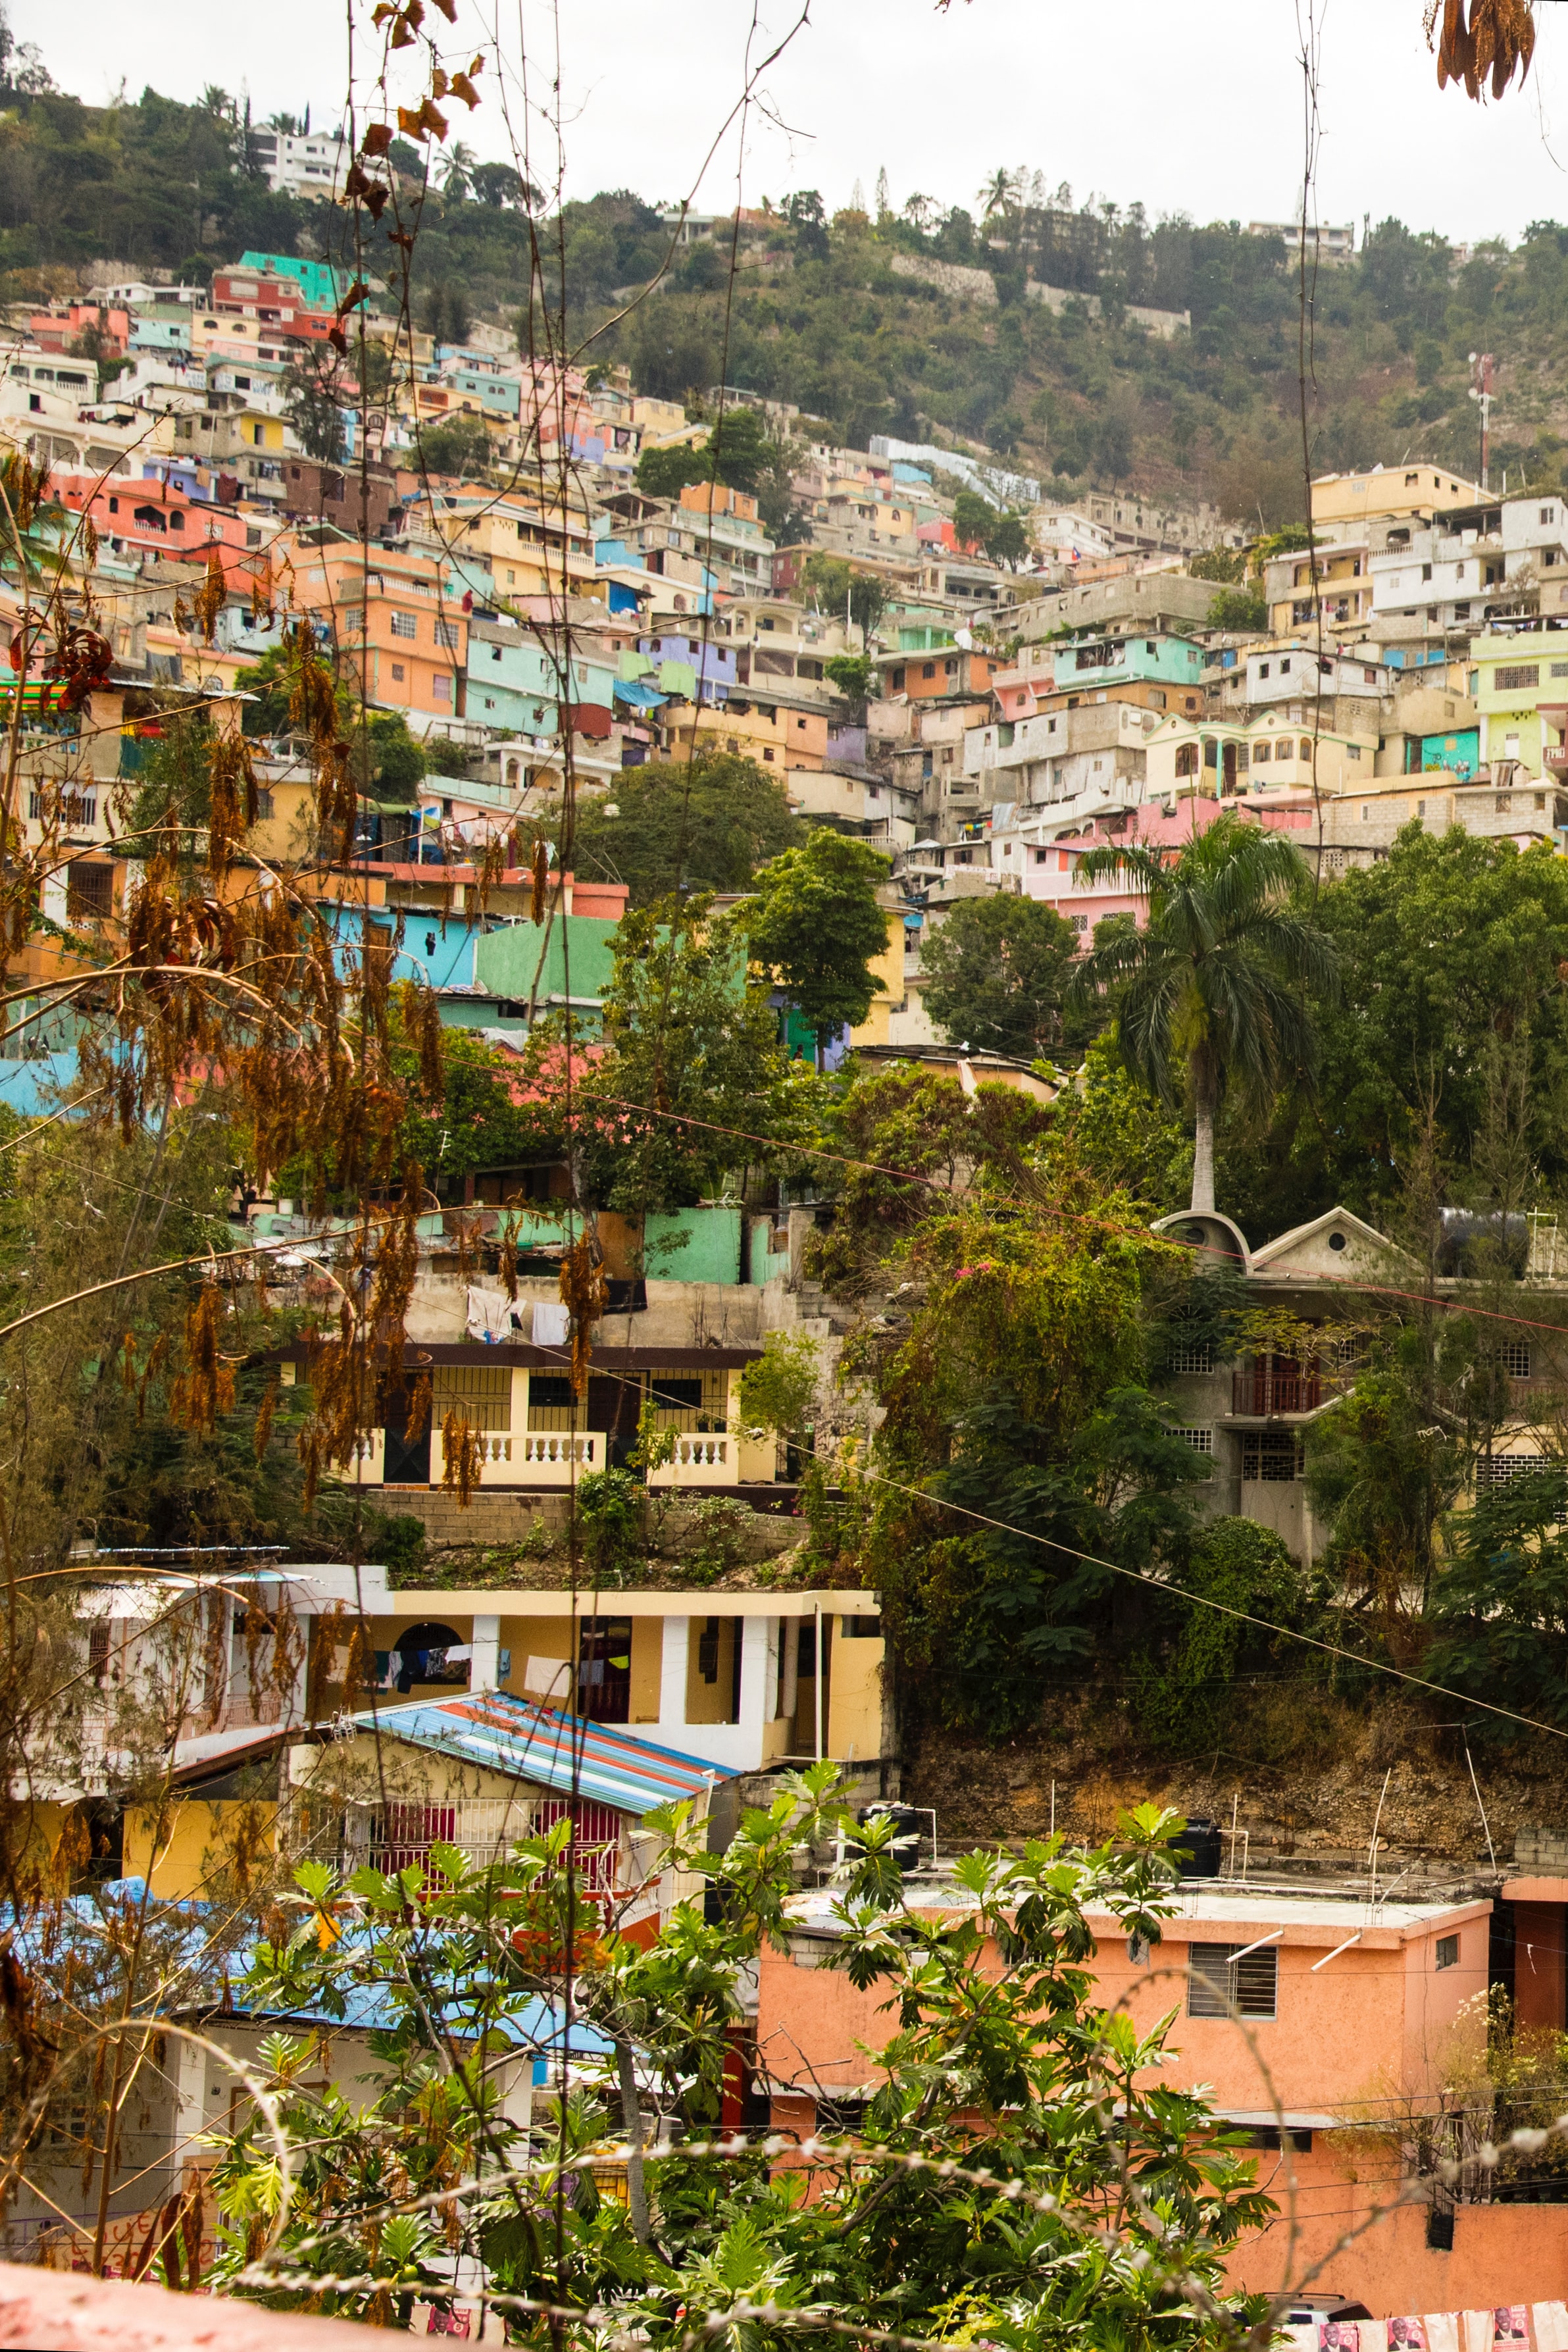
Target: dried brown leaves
(1498,39)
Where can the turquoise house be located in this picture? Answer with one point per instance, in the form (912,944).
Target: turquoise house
(1102,661)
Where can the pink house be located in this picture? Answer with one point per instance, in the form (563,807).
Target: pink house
(1323,2023)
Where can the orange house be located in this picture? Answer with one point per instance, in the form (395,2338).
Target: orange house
(396,620)
(1323,2023)
(947,671)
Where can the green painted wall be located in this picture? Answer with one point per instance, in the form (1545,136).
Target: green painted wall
(507,961)
(710,1251)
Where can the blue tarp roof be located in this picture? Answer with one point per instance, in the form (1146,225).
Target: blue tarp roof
(564,1752)
(632,691)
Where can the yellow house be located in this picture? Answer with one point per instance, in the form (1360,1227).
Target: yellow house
(1217,757)
(1391,492)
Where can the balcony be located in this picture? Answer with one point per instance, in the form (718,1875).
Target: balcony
(698,1461)
(399,1835)
(553,1457)
(1264,1386)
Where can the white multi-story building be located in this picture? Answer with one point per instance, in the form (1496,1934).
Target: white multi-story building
(301,163)
(1470,562)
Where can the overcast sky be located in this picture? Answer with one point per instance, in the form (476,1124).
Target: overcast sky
(1195,108)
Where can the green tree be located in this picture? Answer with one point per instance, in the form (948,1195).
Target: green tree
(737,453)
(1006,539)
(675,829)
(1442,948)
(1500,1609)
(1024,2063)
(1209,996)
(684,1034)
(836,587)
(313,399)
(461,449)
(816,926)
(1239,608)
(851,673)
(972,518)
(996,972)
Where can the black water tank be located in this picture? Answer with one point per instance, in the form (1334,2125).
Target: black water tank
(906,1822)
(1197,1848)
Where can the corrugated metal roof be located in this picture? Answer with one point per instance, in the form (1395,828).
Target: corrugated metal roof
(564,1752)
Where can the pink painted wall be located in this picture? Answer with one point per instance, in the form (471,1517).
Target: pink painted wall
(1368,2032)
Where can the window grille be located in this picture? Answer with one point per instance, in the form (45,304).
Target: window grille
(1516,1358)
(1196,1358)
(1220,1985)
(479,1396)
(447,635)
(1274,1460)
(406,624)
(1200,1440)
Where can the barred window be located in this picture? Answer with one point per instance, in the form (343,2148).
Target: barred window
(406,624)
(479,1396)
(1509,674)
(1515,1356)
(1220,1985)
(1196,1358)
(1200,1440)
(447,635)
(1274,1459)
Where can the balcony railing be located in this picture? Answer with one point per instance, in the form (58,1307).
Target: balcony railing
(552,1457)
(698,1461)
(1264,1385)
(399,1835)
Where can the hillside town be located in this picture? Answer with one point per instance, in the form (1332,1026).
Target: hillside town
(784,1422)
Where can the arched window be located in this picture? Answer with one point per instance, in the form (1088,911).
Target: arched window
(1186,760)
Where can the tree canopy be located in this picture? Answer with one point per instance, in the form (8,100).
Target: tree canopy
(705,827)
(816,926)
(996,974)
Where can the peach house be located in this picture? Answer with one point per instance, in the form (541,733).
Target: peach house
(1322,2024)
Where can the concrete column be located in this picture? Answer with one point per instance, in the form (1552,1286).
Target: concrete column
(789,1635)
(673,1673)
(188,2065)
(755,1697)
(485,1668)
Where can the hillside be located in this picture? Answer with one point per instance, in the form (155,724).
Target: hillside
(820,315)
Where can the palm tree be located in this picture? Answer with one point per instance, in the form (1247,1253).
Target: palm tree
(457,178)
(1211,992)
(997,192)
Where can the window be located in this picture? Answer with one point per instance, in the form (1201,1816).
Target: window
(397,671)
(1448,1945)
(928,669)
(1504,803)
(1199,1358)
(1271,1459)
(1515,1358)
(1220,1985)
(1306,747)
(1510,675)
(441,687)
(447,635)
(1200,1440)
(90,890)
(1261,755)
(406,624)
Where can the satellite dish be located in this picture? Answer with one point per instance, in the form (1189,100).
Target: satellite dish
(961,637)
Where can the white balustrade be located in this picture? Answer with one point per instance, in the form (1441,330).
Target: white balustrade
(699,1460)
(554,1457)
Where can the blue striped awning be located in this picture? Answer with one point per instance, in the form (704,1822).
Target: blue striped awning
(563,1752)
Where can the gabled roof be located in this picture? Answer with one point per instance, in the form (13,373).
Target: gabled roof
(1336,1244)
(564,1752)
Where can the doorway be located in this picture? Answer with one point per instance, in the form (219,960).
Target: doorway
(613,1406)
(604,1670)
